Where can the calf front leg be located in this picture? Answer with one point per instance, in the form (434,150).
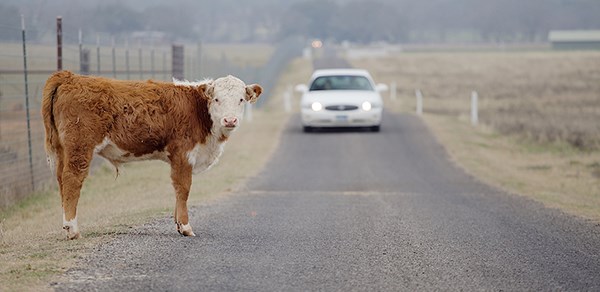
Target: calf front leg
(181,176)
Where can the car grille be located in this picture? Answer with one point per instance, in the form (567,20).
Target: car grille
(341,107)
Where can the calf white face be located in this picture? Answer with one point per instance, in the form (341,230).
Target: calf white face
(227,96)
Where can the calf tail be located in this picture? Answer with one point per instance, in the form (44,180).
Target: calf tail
(52,141)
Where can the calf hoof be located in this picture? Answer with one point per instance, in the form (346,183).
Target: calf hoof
(185,229)
(71,233)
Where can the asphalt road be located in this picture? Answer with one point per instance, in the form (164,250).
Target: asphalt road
(354,210)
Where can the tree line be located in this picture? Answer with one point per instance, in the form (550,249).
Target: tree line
(439,20)
(360,21)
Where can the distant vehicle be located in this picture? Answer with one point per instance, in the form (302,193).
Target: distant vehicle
(341,98)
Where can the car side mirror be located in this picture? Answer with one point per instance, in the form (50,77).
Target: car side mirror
(381,87)
(302,88)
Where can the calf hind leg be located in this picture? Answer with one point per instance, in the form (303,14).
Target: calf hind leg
(75,170)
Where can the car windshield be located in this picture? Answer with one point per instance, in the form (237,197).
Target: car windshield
(341,83)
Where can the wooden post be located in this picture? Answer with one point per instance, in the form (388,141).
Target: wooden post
(59,54)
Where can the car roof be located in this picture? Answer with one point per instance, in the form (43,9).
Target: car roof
(340,71)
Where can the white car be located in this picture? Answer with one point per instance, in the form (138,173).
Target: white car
(341,98)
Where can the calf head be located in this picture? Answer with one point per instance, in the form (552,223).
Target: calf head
(227,96)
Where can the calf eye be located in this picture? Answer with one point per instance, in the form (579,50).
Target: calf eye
(241,99)
(216,100)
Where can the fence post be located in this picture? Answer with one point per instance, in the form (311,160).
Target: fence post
(152,61)
(164,64)
(474,113)
(80,50)
(140,60)
(287,102)
(27,102)
(177,61)
(98,54)
(248,112)
(393,90)
(114,57)
(59,43)
(191,67)
(84,68)
(127,58)
(419,96)
(199,60)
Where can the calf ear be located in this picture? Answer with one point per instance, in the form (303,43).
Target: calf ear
(253,91)
(208,89)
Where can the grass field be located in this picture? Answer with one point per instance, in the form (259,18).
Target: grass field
(539,134)
(546,97)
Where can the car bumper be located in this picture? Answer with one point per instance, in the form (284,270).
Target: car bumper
(355,118)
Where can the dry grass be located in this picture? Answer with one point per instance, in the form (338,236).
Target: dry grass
(545,97)
(539,111)
(32,245)
(554,175)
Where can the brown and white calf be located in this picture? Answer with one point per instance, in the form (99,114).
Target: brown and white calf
(184,124)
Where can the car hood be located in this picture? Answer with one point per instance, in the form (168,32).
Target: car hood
(341,97)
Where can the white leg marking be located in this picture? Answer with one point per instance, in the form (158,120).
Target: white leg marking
(186,230)
(71,227)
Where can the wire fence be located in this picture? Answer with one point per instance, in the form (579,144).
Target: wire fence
(25,66)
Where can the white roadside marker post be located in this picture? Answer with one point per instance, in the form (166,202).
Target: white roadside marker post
(419,102)
(474,113)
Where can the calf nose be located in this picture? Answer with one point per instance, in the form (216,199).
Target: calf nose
(230,122)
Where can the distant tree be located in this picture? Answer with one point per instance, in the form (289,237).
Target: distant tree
(354,20)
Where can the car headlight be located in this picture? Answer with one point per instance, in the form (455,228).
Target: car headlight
(316,106)
(366,106)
